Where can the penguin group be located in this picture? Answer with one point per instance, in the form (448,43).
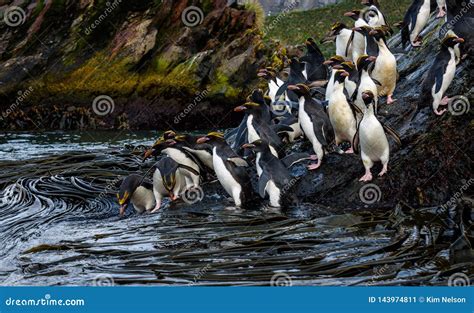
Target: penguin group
(332,103)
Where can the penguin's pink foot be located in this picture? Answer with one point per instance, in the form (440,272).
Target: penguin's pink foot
(383,171)
(445,100)
(157,207)
(312,167)
(350,150)
(313,157)
(390,100)
(366,177)
(441,13)
(440,112)
(416,44)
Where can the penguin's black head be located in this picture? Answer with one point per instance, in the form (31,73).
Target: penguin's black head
(186,140)
(211,138)
(348,66)
(248,107)
(334,60)
(340,76)
(365,30)
(257,146)
(451,40)
(364,61)
(295,65)
(311,45)
(301,90)
(381,32)
(169,134)
(333,32)
(368,97)
(126,190)
(168,167)
(354,14)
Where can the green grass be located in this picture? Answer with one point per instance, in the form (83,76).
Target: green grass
(294,27)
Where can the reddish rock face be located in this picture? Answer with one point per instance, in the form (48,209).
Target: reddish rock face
(143,55)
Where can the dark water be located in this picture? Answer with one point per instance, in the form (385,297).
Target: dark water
(59,225)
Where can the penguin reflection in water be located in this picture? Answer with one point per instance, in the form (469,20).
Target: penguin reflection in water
(231,170)
(274,178)
(373,141)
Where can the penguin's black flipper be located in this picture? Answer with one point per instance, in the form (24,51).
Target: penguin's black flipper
(294,158)
(188,168)
(262,183)
(376,81)
(393,133)
(323,131)
(349,42)
(355,141)
(281,128)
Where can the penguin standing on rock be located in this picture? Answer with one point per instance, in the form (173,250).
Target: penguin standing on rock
(332,62)
(357,40)
(385,67)
(169,179)
(136,190)
(314,62)
(341,113)
(365,82)
(441,74)
(314,122)
(414,21)
(373,141)
(340,34)
(230,169)
(274,178)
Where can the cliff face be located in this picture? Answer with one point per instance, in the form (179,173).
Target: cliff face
(139,64)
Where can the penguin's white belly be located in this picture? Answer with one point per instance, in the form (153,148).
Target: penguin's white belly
(342,118)
(341,44)
(230,184)
(350,86)
(373,141)
(447,80)
(385,71)
(204,156)
(366,83)
(181,158)
(274,193)
(421,20)
(330,85)
(358,46)
(143,199)
(257,164)
(251,131)
(308,129)
(296,133)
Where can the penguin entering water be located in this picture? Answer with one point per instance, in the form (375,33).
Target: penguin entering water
(414,21)
(371,136)
(340,34)
(230,169)
(314,62)
(341,113)
(274,178)
(176,151)
(137,191)
(314,122)
(441,74)
(385,66)
(258,128)
(169,179)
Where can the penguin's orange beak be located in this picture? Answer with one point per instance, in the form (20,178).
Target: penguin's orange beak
(293,87)
(240,108)
(248,146)
(349,14)
(327,62)
(344,74)
(372,58)
(202,140)
(337,67)
(356,29)
(147,154)
(373,32)
(459,40)
(122,210)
